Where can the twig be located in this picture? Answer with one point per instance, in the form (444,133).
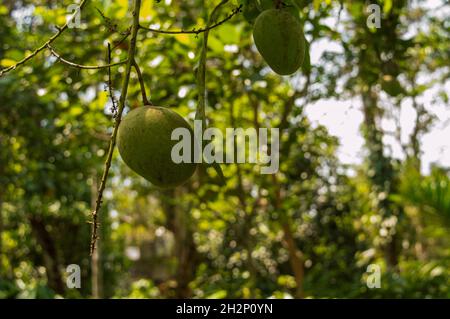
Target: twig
(278,4)
(112,143)
(194,31)
(42,47)
(110,87)
(141,83)
(109,22)
(112,27)
(126,35)
(79,66)
(341,9)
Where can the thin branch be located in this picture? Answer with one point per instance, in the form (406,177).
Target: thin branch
(44,46)
(341,9)
(79,66)
(194,31)
(113,28)
(110,23)
(141,83)
(118,118)
(110,87)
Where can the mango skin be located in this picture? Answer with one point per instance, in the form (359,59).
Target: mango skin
(279,37)
(145,145)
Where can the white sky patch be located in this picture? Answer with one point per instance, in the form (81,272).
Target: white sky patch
(156,61)
(232,48)
(183,91)
(191,55)
(320,46)
(343,120)
(133,253)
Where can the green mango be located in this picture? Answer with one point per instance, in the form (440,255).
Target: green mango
(145,145)
(279,37)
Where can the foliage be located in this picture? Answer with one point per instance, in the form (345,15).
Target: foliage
(310,230)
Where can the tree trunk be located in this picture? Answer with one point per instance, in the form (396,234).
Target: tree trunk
(185,250)
(295,255)
(1,225)
(50,254)
(381,173)
(295,259)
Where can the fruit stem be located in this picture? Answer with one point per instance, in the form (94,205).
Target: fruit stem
(278,4)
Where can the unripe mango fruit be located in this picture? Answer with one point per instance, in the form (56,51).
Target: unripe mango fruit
(145,145)
(279,37)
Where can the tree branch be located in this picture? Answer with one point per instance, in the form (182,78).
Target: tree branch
(194,31)
(44,46)
(79,66)
(118,118)
(110,82)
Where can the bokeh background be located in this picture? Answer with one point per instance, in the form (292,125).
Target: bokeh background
(364,166)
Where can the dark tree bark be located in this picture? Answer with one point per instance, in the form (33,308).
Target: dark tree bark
(1,224)
(295,254)
(185,249)
(50,254)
